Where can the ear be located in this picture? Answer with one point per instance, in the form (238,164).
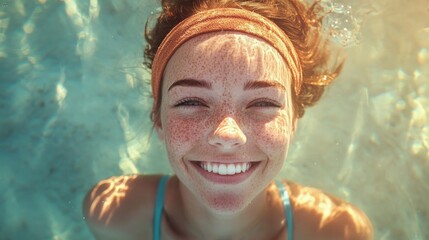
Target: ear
(294,124)
(159,131)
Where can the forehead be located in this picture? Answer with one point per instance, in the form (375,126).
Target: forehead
(226,55)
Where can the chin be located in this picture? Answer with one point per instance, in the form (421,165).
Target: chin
(227,204)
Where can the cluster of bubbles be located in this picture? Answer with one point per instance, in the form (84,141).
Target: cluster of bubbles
(340,23)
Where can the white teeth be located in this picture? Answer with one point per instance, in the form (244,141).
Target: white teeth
(230,169)
(238,168)
(225,169)
(215,168)
(222,169)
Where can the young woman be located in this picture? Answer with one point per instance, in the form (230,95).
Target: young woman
(230,80)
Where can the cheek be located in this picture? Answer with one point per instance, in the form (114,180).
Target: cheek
(274,136)
(182,133)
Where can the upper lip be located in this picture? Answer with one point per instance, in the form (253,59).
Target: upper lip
(227,161)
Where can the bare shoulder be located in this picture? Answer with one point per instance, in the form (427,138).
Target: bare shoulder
(121,207)
(318,215)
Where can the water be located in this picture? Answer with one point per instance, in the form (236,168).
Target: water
(74,102)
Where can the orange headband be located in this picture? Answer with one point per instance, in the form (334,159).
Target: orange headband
(225,19)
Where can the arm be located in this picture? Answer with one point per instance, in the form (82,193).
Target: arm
(121,207)
(318,215)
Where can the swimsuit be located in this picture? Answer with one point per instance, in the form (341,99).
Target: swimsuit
(159,206)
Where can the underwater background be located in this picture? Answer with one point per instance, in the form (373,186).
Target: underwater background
(75,102)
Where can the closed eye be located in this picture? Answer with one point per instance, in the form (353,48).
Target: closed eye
(264,103)
(190,102)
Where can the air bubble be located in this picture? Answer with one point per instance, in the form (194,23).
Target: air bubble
(340,24)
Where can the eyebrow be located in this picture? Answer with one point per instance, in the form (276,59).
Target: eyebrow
(263,84)
(188,82)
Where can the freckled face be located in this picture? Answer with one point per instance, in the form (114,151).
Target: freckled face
(226,99)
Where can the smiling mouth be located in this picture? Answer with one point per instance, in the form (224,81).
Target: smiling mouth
(224,169)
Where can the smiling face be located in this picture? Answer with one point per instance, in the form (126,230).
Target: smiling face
(226,118)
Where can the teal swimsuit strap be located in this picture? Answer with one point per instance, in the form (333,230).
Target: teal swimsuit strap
(159,206)
(287,208)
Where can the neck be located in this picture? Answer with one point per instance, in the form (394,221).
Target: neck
(261,219)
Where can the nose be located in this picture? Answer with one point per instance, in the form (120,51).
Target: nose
(227,135)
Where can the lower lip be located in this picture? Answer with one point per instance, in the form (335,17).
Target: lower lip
(225,179)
